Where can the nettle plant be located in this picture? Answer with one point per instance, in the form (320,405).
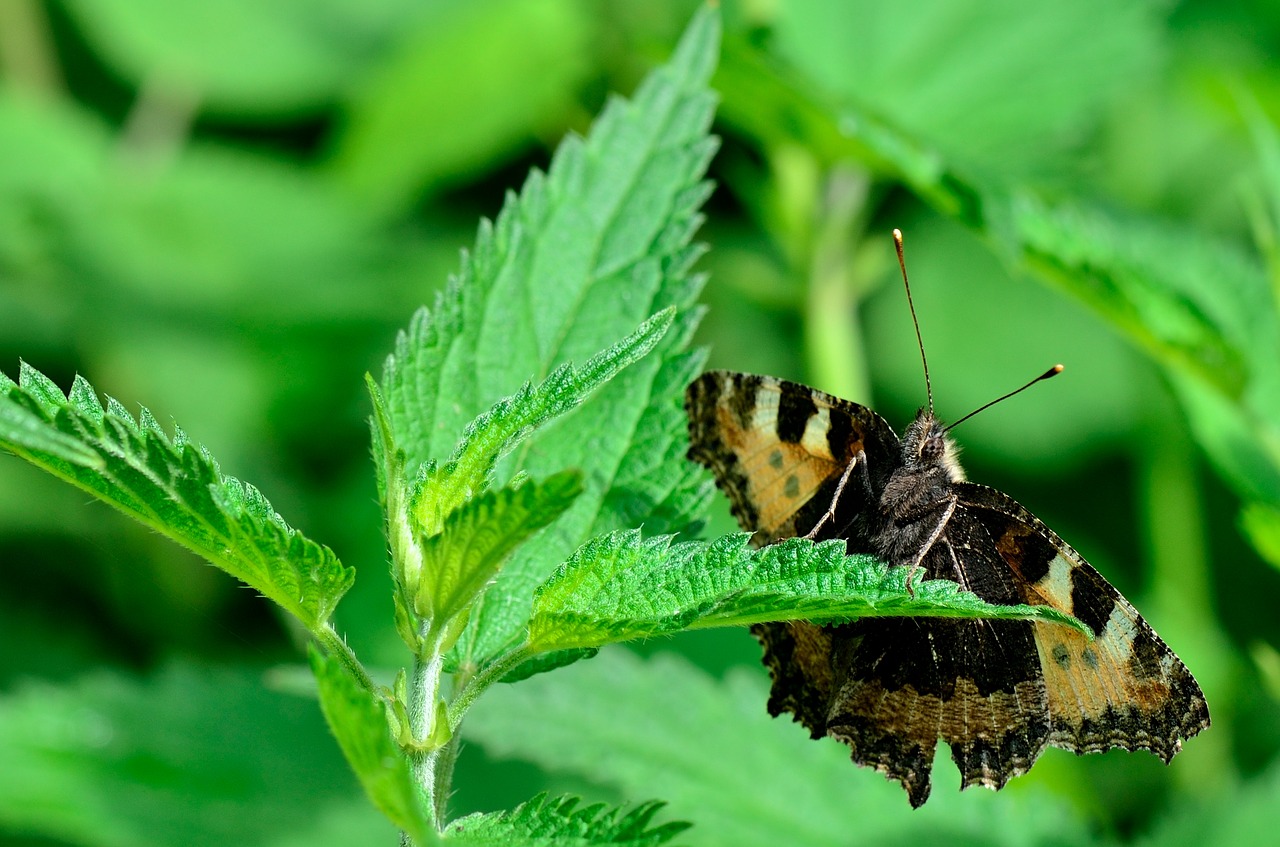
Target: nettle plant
(512,481)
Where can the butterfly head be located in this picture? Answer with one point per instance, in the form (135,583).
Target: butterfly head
(926,447)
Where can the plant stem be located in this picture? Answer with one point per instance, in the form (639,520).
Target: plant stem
(477,685)
(424,701)
(27,55)
(337,646)
(159,123)
(834,353)
(433,766)
(442,774)
(1181,594)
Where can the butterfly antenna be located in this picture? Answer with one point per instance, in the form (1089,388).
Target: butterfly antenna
(902,263)
(1053,371)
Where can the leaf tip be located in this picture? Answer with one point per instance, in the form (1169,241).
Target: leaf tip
(698,51)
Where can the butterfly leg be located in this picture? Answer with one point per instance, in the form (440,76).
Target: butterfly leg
(949,507)
(860,461)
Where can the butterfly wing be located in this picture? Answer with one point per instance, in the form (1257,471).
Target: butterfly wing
(778,448)
(1125,688)
(999,692)
(897,685)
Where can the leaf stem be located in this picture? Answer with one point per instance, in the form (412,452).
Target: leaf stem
(479,683)
(336,645)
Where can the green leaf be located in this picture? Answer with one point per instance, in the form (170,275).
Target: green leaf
(458,562)
(27,429)
(543,662)
(261,242)
(1205,312)
(620,588)
(558,822)
(1199,306)
(1202,310)
(1261,525)
(1243,447)
(177,489)
(438,492)
(710,749)
(513,419)
(189,756)
(578,259)
(1000,86)
(238,55)
(358,720)
(468,83)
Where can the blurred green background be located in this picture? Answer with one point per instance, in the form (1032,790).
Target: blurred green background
(224,211)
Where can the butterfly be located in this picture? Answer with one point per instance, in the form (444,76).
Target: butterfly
(795,461)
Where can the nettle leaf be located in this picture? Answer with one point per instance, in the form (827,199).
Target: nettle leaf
(542,662)
(458,562)
(559,822)
(358,721)
(26,428)
(578,259)
(1203,308)
(177,489)
(709,748)
(1206,313)
(302,54)
(620,587)
(513,419)
(442,73)
(1055,67)
(429,505)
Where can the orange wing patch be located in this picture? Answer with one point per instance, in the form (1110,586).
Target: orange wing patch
(1125,687)
(773,444)
(781,477)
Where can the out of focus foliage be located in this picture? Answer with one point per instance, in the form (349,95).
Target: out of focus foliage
(226,210)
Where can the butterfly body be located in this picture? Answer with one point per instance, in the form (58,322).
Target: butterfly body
(795,461)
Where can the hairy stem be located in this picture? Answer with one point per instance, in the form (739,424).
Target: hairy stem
(424,704)
(336,645)
(442,775)
(475,686)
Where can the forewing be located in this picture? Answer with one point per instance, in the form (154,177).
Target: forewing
(778,448)
(1125,688)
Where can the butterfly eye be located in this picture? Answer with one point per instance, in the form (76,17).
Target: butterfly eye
(932,449)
